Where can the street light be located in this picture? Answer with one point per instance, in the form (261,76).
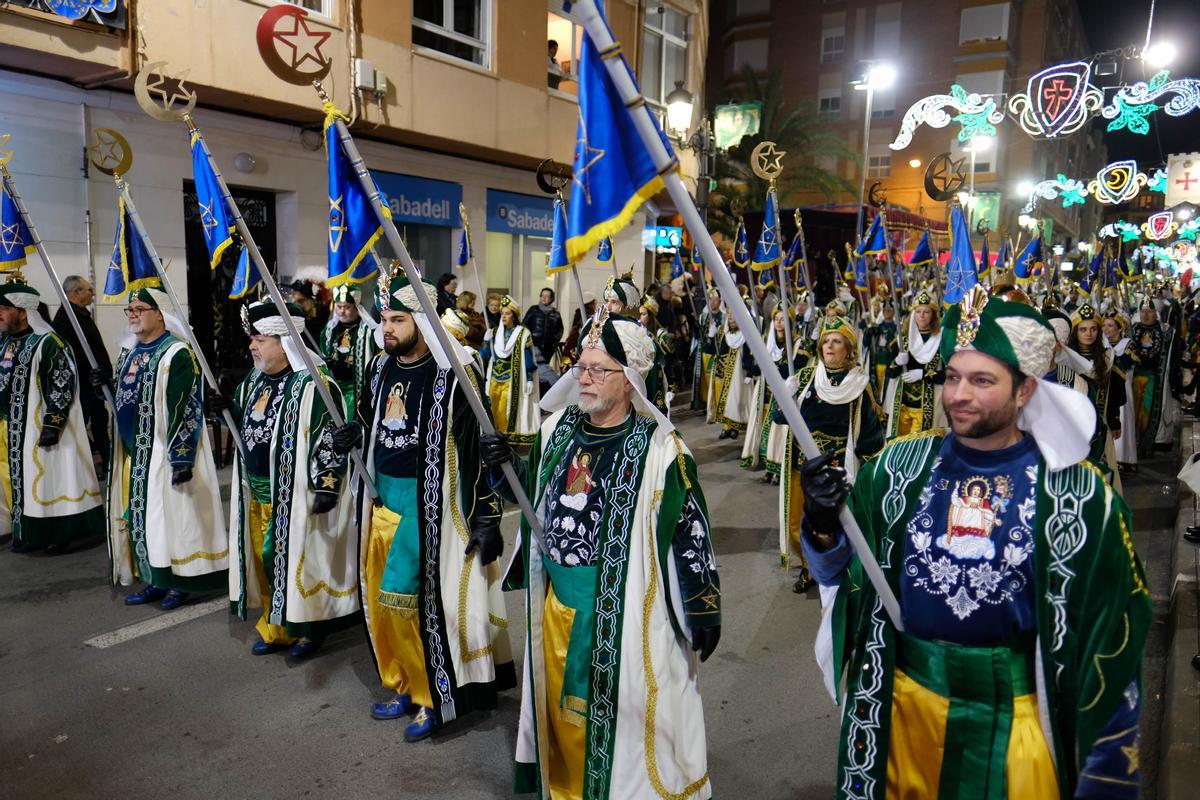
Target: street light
(915,163)
(1025,188)
(1160,54)
(876,75)
(679,110)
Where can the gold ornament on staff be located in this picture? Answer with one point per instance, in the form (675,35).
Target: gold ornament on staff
(150,88)
(111,153)
(767,161)
(5,154)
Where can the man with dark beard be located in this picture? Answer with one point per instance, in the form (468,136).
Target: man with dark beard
(1024,606)
(429,585)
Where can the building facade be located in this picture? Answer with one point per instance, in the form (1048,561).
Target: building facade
(449,102)
(822,47)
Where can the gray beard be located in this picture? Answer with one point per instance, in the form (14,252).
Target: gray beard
(595,406)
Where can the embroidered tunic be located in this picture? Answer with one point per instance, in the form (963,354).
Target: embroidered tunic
(184,410)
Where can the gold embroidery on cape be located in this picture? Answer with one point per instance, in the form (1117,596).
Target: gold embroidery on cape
(321,586)
(41,470)
(464,577)
(1100,672)
(179,562)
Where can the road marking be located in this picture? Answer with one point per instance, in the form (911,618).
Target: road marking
(156,624)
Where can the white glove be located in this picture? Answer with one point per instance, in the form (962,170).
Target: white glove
(528,388)
(902,359)
(487,337)
(913,375)
(747,381)
(793,385)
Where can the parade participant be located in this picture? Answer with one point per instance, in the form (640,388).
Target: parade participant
(1024,604)
(768,437)
(658,389)
(291,539)
(512,385)
(459,325)
(881,339)
(50,488)
(1153,379)
(80,294)
(734,398)
(621,586)
(1069,365)
(1114,327)
(1104,385)
(165,524)
(915,378)
(429,584)
(348,342)
(621,296)
(478,325)
(304,296)
(710,342)
(546,331)
(837,405)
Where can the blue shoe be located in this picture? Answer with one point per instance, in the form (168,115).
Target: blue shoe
(306,646)
(399,706)
(173,600)
(421,727)
(262,648)
(147,595)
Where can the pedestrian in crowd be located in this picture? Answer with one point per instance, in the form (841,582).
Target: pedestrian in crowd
(435,615)
(291,544)
(166,525)
(80,295)
(623,598)
(546,330)
(1034,621)
(50,493)
(476,324)
(447,286)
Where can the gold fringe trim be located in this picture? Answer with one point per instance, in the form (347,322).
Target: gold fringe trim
(578,246)
(179,562)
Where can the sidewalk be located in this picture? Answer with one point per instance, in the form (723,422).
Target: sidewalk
(1179,762)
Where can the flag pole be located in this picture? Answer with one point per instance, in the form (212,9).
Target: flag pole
(335,412)
(19,202)
(209,377)
(462,211)
(428,307)
(783,295)
(586,14)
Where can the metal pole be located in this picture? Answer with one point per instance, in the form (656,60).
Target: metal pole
(209,377)
(335,412)
(19,202)
(430,310)
(862,187)
(618,71)
(783,301)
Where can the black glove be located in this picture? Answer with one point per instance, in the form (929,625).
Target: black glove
(486,537)
(825,489)
(99,378)
(180,475)
(323,502)
(705,640)
(346,438)
(495,449)
(49,437)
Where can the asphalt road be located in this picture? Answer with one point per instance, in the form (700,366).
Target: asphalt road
(179,707)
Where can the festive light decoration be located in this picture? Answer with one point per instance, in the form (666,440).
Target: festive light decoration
(977,115)
(1158,181)
(1118,182)
(1131,105)
(1127,231)
(1057,101)
(1189,229)
(1159,226)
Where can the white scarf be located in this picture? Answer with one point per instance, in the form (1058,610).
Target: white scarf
(504,346)
(774,349)
(734,339)
(850,389)
(922,352)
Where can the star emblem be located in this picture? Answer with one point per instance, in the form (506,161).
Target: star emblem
(1131,755)
(57,419)
(769,159)
(337,219)
(156,87)
(182,450)
(207,218)
(328,482)
(10,237)
(304,42)
(585,160)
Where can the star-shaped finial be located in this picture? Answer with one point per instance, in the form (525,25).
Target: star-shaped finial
(769,159)
(305,43)
(157,88)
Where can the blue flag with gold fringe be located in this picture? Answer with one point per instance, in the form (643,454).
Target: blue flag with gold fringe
(16,242)
(215,221)
(767,252)
(1002,257)
(875,242)
(1029,260)
(464,250)
(985,263)
(924,253)
(353,225)
(614,173)
(697,259)
(792,259)
(961,272)
(604,253)
(245,278)
(131,266)
(1093,272)
(741,247)
(558,260)
(677,264)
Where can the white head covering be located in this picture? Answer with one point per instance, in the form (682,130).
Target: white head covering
(269,322)
(28,298)
(161,301)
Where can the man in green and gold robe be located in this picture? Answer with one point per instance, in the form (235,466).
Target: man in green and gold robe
(622,587)
(1024,606)
(50,492)
(348,343)
(166,524)
(914,380)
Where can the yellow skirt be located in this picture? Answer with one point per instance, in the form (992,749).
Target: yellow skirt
(918,742)
(5,474)
(568,732)
(909,421)
(499,396)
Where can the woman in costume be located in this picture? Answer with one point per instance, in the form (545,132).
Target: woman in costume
(914,394)
(1104,385)
(1114,328)
(767,437)
(836,402)
(657,387)
(511,385)
(733,385)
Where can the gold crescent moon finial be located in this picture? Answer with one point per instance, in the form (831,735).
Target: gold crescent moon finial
(111,153)
(767,160)
(157,99)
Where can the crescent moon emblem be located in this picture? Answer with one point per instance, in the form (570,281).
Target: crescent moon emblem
(111,153)
(153,97)
(278,36)
(552,177)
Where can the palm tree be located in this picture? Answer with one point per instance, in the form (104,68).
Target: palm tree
(801,131)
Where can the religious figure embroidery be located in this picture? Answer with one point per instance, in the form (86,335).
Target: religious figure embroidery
(579,481)
(396,431)
(970,521)
(258,412)
(395,413)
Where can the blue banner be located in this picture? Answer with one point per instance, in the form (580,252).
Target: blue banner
(509,212)
(422,201)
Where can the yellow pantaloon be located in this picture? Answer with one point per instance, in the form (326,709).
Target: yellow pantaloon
(567,736)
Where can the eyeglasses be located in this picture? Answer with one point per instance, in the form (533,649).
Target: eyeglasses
(596,374)
(133,311)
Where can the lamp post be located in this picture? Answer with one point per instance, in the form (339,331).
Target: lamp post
(878,75)
(680,105)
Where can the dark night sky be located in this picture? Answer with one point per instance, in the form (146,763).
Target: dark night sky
(1112,24)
